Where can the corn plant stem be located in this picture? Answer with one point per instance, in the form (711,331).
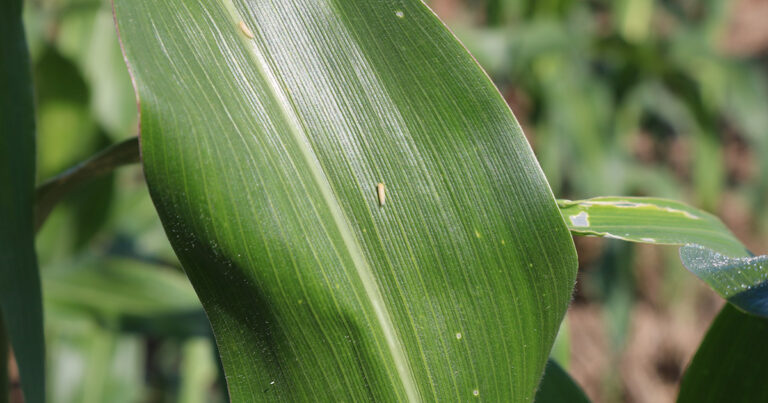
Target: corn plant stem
(53,190)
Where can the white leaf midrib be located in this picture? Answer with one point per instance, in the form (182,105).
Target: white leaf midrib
(362,267)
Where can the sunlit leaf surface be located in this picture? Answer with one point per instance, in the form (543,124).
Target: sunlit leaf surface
(730,363)
(20,297)
(709,250)
(266,128)
(649,220)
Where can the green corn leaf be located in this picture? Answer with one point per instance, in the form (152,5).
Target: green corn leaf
(742,281)
(266,129)
(649,220)
(557,386)
(4,357)
(731,363)
(20,297)
(709,250)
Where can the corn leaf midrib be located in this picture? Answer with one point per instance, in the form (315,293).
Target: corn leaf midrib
(342,222)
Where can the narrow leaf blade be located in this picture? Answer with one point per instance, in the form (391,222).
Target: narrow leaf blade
(20,296)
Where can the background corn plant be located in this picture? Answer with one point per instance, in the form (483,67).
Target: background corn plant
(122,322)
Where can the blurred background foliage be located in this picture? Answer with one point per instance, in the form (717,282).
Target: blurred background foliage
(663,98)
(122,322)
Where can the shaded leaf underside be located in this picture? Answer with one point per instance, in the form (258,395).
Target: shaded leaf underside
(731,362)
(263,147)
(558,387)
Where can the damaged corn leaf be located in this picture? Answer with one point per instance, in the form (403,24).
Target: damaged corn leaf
(649,220)
(709,250)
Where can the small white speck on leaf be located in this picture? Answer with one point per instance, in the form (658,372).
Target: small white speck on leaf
(246,31)
(381,191)
(399,13)
(458,336)
(476,392)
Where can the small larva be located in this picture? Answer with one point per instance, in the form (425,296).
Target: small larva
(246,30)
(382,193)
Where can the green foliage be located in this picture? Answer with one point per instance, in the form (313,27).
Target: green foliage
(633,97)
(731,363)
(710,250)
(263,147)
(728,365)
(649,220)
(742,281)
(4,356)
(55,189)
(20,296)
(625,97)
(101,308)
(557,386)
